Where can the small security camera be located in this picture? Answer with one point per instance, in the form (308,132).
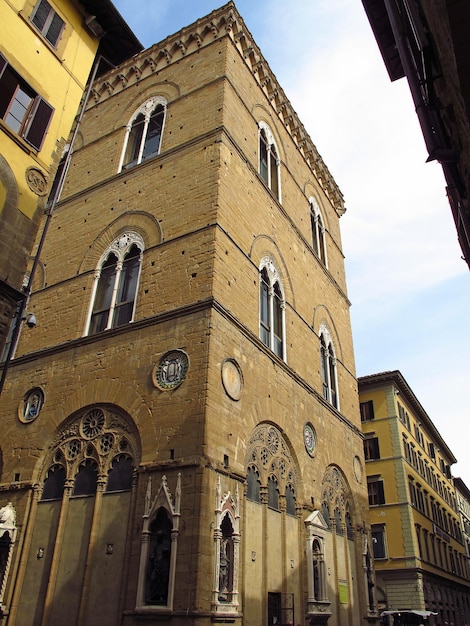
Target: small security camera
(31,321)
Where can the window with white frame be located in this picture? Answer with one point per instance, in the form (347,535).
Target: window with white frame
(24,112)
(116,282)
(144,133)
(328,369)
(269,162)
(272,308)
(48,22)
(318,231)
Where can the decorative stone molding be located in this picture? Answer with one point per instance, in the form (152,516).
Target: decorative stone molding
(37,181)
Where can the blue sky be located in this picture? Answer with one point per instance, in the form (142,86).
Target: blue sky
(409,288)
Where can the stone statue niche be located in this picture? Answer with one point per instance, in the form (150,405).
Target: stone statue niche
(159,559)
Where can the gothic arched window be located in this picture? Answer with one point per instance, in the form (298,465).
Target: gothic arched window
(253,485)
(144,133)
(116,282)
(120,474)
(272,308)
(290,500)
(328,369)
(269,162)
(318,231)
(273,493)
(54,483)
(86,479)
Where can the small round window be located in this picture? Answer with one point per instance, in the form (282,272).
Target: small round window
(31,405)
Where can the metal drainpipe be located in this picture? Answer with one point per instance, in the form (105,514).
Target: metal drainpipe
(432,141)
(50,210)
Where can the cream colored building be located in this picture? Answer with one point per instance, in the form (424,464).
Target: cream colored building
(47,50)
(419,549)
(181,440)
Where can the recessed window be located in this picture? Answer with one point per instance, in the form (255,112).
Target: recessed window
(272,308)
(371,448)
(328,369)
(375,489)
(253,485)
(269,160)
(21,108)
(144,133)
(318,231)
(367,410)
(378,542)
(116,282)
(48,22)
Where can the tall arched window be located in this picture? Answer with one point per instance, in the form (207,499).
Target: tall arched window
(328,369)
(318,231)
(116,282)
(272,308)
(269,163)
(144,133)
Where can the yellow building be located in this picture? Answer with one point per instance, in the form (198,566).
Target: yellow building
(419,549)
(47,50)
(182,442)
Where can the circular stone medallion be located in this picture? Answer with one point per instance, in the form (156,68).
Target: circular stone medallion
(171,370)
(309,439)
(357,466)
(31,405)
(232,379)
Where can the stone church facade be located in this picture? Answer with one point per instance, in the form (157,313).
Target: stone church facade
(180,434)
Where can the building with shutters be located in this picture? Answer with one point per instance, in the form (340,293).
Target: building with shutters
(181,438)
(420,553)
(47,52)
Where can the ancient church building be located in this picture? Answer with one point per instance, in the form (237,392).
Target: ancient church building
(180,433)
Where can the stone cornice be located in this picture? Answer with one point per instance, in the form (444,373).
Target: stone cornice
(222,22)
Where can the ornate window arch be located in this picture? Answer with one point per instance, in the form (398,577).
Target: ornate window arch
(226,552)
(144,133)
(116,283)
(269,163)
(318,231)
(272,308)
(328,368)
(269,461)
(156,582)
(86,454)
(336,497)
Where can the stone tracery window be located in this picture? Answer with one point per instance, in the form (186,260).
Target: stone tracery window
(336,496)
(270,465)
(115,286)
(144,133)
(318,231)
(87,451)
(272,308)
(328,368)
(269,162)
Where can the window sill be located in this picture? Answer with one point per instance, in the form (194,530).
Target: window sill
(17,139)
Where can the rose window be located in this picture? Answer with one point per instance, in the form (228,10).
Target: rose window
(92,423)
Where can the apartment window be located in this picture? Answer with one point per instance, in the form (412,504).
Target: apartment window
(21,108)
(272,308)
(46,20)
(367,411)
(116,282)
(431,450)
(378,542)
(318,231)
(328,368)
(375,490)
(144,133)
(371,448)
(269,160)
